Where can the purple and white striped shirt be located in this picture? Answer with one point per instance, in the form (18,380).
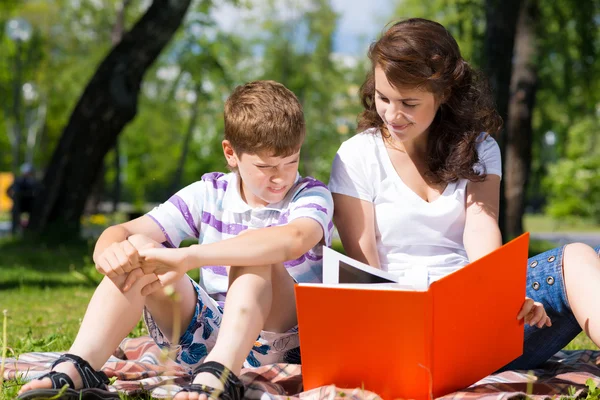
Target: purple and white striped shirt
(212,210)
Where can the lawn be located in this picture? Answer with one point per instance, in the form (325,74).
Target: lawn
(45,291)
(544,224)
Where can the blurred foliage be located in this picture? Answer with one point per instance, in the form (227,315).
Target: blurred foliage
(291,41)
(573,183)
(181,102)
(298,52)
(465,19)
(569,90)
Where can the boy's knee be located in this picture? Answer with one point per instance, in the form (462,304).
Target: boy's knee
(263,271)
(140,241)
(137,286)
(256,269)
(275,273)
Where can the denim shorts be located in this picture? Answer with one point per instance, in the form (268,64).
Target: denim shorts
(545,283)
(200,337)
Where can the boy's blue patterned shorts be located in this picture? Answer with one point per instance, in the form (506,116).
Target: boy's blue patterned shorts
(200,337)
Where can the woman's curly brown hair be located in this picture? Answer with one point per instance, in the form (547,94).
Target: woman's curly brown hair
(423,54)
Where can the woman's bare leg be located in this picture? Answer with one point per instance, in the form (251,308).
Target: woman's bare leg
(581,267)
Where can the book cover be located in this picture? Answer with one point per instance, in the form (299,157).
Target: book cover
(403,340)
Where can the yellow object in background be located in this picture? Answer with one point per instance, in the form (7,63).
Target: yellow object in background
(6,179)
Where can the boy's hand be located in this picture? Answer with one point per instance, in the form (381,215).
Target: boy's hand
(169,265)
(118,259)
(533,313)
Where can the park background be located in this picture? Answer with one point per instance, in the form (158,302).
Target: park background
(118,103)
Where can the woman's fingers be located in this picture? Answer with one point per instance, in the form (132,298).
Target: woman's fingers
(526,308)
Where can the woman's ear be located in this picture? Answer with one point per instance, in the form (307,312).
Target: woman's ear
(229,154)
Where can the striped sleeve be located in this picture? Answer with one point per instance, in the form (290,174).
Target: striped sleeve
(179,217)
(314,201)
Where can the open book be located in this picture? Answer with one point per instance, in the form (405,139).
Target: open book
(401,338)
(341,269)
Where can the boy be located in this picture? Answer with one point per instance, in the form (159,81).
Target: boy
(263,221)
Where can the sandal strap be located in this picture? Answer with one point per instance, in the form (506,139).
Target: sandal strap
(59,379)
(90,378)
(233,388)
(197,388)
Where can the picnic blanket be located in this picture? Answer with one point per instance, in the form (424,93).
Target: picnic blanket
(140,368)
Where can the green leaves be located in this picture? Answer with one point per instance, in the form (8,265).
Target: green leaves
(465,19)
(573,183)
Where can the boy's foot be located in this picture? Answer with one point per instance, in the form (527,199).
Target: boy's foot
(213,380)
(203,378)
(45,383)
(82,382)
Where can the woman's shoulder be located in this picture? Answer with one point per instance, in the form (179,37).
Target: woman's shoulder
(361,141)
(486,143)
(488,151)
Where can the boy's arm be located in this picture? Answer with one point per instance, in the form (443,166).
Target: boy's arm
(309,223)
(264,246)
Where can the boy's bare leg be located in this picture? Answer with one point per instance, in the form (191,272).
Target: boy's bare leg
(581,268)
(111,315)
(258,298)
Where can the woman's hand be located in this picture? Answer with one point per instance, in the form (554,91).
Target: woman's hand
(534,314)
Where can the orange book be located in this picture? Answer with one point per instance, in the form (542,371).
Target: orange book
(401,340)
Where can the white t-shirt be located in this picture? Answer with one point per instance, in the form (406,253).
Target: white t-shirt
(410,232)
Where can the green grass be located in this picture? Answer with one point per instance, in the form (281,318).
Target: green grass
(43,319)
(45,291)
(542,223)
(539,246)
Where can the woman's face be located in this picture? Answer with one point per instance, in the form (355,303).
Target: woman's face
(406,112)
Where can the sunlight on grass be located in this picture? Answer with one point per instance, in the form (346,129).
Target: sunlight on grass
(43,319)
(581,342)
(542,223)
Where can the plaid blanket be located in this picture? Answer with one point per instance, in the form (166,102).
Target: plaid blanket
(139,367)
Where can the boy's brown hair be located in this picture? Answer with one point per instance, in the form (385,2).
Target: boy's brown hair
(264,116)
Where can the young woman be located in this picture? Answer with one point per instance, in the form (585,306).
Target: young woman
(420,184)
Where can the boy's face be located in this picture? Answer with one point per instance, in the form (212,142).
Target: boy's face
(265,178)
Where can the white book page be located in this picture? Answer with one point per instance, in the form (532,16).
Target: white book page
(339,269)
(336,264)
(403,285)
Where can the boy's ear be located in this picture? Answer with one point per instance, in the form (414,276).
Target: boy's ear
(229,153)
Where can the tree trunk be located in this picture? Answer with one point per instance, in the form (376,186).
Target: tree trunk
(501,26)
(117,184)
(117,35)
(107,104)
(519,131)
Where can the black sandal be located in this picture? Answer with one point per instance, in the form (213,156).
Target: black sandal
(95,383)
(233,388)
